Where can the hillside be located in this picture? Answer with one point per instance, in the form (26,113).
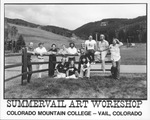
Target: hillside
(37,35)
(132,29)
(54,29)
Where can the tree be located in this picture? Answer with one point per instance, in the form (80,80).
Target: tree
(20,42)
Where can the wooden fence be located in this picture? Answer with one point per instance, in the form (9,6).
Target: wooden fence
(23,65)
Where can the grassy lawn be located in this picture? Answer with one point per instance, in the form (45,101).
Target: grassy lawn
(99,86)
(134,55)
(130,56)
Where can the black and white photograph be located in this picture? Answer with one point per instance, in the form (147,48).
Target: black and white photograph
(75,51)
(64,59)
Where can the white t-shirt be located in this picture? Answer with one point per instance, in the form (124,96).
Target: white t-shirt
(90,44)
(115,51)
(40,51)
(72,50)
(103,45)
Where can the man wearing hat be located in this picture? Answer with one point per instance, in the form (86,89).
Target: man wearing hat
(40,51)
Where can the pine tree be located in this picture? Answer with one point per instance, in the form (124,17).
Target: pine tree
(20,42)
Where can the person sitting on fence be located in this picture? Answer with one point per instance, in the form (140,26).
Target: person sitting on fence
(63,51)
(53,51)
(116,58)
(90,47)
(72,71)
(84,65)
(30,51)
(72,50)
(40,51)
(102,45)
(61,69)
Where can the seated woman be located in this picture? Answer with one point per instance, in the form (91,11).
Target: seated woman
(84,65)
(61,69)
(72,71)
(53,51)
(63,51)
(72,50)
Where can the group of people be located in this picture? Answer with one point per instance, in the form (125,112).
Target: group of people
(67,69)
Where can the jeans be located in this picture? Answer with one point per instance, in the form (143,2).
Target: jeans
(83,72)
(115,69)
(39,67)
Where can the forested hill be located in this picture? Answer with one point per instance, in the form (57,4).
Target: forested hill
(132,29)
(54,29)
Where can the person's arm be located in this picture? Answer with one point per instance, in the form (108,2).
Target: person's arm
(105,49)
(68,50)
(36,51)
(44,51)
(57,69)
(119,43)
(107,45)
(95,46)
(85,48)
(60,51)
(30,52)
(76,72)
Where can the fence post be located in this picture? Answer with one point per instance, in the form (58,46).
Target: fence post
(24,66)
(50,66)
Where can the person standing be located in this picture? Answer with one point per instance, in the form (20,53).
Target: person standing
(72,50)
(53,52)
(90,47)
(30,51)
(103,45)
(40,51)
(63,51)
(115,58)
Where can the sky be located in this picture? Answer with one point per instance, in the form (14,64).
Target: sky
(72,16)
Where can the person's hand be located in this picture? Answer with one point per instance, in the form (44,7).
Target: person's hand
(33,53)
(117,40)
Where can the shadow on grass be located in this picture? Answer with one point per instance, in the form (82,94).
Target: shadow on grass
(129,86)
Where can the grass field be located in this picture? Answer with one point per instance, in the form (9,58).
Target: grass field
(37,35)
(99,86)
(130,56)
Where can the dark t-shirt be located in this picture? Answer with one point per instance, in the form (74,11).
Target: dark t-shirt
(62,68)
(72,70)
(53,50)
(53,55)
(29,54)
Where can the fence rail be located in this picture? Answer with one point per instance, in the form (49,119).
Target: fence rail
(13,54)
(50,63)
(14,65)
